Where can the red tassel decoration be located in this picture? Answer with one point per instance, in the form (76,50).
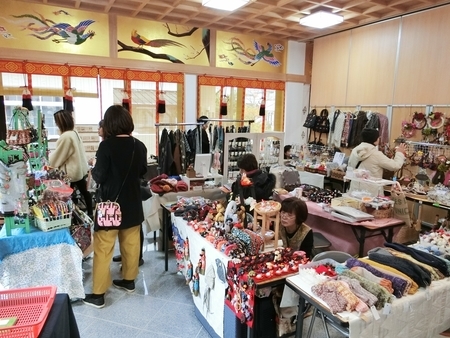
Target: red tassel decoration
(126,101)
(161,104)
(26,99)
(262,108)
(68,101)
(224,106)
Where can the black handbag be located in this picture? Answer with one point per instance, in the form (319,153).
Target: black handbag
(311,118)
(322,123)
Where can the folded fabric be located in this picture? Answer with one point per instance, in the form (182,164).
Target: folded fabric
(420,276)
(421,256)
(411,287)
(386,283)
(181,186)
(399,285)
(355,287)
(434,274)
(336,295)
(379,292)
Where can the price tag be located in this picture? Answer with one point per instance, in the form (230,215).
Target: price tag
(387,309)
(375,313)
(339,158)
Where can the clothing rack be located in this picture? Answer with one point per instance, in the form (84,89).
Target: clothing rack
(232,120)
(157,125)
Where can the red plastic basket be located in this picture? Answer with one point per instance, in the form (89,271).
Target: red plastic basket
(31,307)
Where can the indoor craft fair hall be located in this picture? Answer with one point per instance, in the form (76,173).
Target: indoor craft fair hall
(210,168)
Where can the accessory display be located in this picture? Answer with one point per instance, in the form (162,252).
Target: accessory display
(20,130)
(108,214)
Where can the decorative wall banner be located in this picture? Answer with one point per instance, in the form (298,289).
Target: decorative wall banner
(158,41)
(246,52)
(53,29)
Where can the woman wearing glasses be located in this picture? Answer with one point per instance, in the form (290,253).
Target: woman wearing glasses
(69,156)
(294,233)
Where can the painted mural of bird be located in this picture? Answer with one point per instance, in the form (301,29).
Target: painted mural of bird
(73,35)
(265,54)
(157,43)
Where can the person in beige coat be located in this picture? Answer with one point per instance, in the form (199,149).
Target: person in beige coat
(70,157)
(367,156)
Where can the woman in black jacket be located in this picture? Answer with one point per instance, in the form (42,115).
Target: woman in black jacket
(121,162)
(262,183)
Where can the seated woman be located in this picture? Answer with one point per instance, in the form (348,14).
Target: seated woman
(294,233)
(262,182)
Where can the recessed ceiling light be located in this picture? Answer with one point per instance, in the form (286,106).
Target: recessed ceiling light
(225,5)
(321,19)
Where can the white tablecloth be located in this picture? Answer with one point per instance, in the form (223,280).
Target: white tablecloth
(215,315)
(422,315)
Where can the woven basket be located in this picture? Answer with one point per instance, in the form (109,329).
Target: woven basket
(268,208)
(311,170)
(322,172)
(337,174)
(378,213)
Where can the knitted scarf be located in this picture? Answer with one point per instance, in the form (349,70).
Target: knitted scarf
(420,276)
(422,257)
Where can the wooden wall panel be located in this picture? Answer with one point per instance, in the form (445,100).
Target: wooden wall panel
(424,62)
(330,70)
(372,63)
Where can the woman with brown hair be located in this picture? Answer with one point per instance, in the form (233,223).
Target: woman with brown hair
(70,157)
(121,162)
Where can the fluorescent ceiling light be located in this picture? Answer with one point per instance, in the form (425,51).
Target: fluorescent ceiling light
(225,5)
(321,19)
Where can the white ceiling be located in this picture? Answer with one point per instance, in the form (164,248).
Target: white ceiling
(275,19)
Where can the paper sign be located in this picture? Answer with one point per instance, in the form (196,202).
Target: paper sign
(339,158)
(387,309)
(375,313)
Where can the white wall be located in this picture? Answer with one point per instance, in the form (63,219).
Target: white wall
(295,63)
(296,109)
(190,98)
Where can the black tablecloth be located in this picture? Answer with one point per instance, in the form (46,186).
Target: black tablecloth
(61,322)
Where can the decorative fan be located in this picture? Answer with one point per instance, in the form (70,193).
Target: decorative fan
(435,120)
(419,120)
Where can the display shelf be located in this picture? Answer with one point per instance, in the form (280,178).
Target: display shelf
(267,147)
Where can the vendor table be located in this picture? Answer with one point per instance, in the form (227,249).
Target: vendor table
(368,234)
(158,215)
(41,258)
(424,314)
(61,321)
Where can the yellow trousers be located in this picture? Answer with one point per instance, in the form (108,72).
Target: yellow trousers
(104,241)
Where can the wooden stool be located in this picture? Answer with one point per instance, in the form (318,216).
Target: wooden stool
(268,211)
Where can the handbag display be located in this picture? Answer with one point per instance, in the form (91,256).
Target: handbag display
(108,214)
(20,131)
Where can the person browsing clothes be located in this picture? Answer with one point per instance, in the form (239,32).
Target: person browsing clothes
(121,162)
(367,156)
(205,134)
(70,157)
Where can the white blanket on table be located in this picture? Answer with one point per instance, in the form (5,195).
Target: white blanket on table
(58,265)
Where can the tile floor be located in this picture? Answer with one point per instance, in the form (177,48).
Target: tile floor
(161,306)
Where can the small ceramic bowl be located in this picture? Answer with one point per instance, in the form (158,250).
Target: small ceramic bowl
(269,235)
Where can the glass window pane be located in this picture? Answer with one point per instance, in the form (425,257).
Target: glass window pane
(14,80)
(49,85)
(83,85)
(270,110)
(87,110)
(253,97)
(112,93)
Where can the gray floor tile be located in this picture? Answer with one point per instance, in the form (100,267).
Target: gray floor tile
(109,329)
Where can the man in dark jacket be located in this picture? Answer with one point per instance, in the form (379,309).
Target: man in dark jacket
(205,137)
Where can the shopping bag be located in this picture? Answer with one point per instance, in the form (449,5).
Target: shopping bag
(407,233)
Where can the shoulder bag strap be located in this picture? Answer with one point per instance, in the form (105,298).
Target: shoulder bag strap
(129,168)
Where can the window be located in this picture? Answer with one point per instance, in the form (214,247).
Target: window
(253,97)
(47,85)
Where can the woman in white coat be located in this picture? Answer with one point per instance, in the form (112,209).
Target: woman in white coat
(367,156)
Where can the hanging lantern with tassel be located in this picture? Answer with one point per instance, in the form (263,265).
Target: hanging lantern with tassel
(68,100)
(262,107)
(224,105)
(161,103)
(126,101)
(26,99)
